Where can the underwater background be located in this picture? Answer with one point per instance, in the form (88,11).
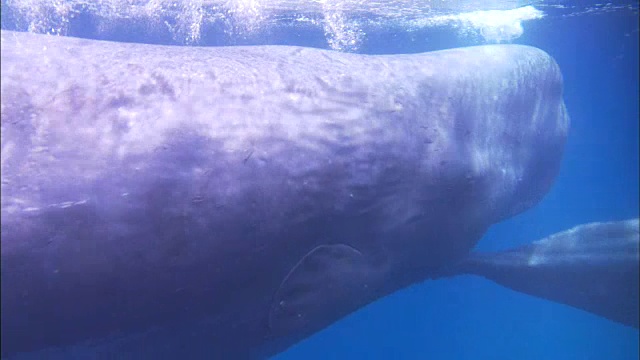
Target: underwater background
(596,46)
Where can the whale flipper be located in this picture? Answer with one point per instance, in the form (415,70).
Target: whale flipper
(320,284)
(593,267)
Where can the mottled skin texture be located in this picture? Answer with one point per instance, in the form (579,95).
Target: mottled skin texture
(269,190)
(594,267)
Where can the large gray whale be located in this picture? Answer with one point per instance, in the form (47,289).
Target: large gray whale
(261,193)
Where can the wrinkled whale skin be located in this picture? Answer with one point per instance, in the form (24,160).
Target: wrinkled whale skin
(269,190)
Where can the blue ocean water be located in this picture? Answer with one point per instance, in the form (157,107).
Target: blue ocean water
(469,317)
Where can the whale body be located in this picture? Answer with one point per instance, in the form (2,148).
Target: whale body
(235,200)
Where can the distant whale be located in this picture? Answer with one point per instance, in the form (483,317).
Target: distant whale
(593,267)
(233,201)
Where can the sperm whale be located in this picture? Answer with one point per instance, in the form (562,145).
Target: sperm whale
(250,195)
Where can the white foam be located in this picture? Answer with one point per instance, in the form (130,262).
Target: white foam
(494,25)
(343,21)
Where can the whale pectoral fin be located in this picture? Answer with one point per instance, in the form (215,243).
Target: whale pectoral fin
(327,283)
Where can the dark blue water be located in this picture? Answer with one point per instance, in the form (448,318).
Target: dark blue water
(469,317)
